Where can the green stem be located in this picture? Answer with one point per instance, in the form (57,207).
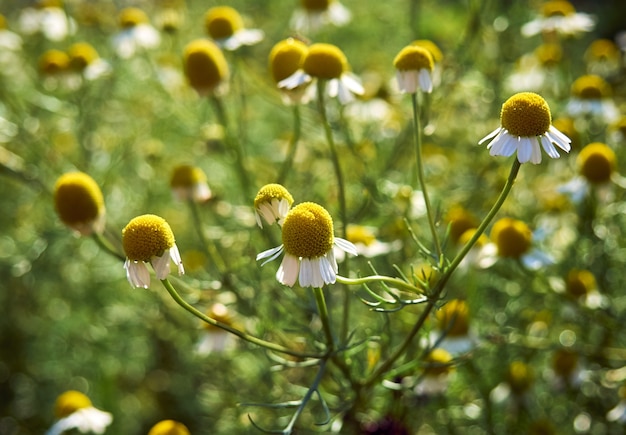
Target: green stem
(107,246)
(293,145)
(207,245)
(379,278)
(323,312)
(249,338)
(417,140)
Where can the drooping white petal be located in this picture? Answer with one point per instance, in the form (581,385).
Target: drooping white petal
(524,150)
(298,78)
(425,80)
(490,136)
(305,278)
(287,273)
(559,139)
(332,87)
(327,271)
(353,83)
(343,94)
(84,420)
(549,148)
(535,156)
(137,273)
(176,258)
(407,81)
(270,254)
(346,246)
(161,265)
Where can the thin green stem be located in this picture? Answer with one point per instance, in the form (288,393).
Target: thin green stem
(244,336)
(107,246)
(207,244)
(417,140)
(293,145)
(379,278)
(323,312)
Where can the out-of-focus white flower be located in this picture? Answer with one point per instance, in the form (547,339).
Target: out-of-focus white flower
(225,26)
(75,411)
(591,96)
(315,14)
(136,33)
(561,17)
(47,18)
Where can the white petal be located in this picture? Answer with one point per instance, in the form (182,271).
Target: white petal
(137,273)
(287,273)
(352,82)
(146,36)
(535,156)
(178,261)
(559,139)
(85,420)
(346,245)
(327,271)
(305,277)
(250,36)
(298,78)
(271,253)
(524,150)
(332,88)
(161,265)
(343,94)
(490,135)
(407,81)
(426,83)
(338,14)
(549,148)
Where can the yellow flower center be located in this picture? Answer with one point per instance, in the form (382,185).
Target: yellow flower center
(286,58)
(596,162)
(315,5)
(187,176)
(432,48)
(557,8)
(222,22)
(54,62)
(602,49)
(413,57)
(308,231)
(360,234)
(453,318)
(131,17)
(467,236)
(78,199)
(526,114)
(205,65)
(591,87)
(325,61)
(512,237)
(70,402)
(49,4)
(272,191)
(564,362)
(460,220)
(549,54)
(169,427)
(147,236)
(81,55)
(519,377)
(437,362)
(3,22)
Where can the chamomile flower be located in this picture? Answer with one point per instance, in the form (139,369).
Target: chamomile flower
(169,427)
(308,243)
(435,375)
(75,411)
(79,203)
(453,328)
(136,33)
(526,123)
(312,15)
(514,239)
(215,339)
(326,62)
(559,16)
(596,163)
(272,203)
(603,57)
(48,18)
(287,57)
(366,243)
(414,66)
(149,239)
(84,60)
(54,69)
(591,95)
(225,26)
(205,67)
(190,183)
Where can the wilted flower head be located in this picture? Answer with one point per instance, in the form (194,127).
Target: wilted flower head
(308,243)
(169,427)
(596,162)
(136,33)
(314,14)
(149,239)
(326,62)
(287,57)
(190,182)
(79,203)
(559,16)
(205,67)
(272,203)
(414,65)
(526,122)
(75,411)
(226,27)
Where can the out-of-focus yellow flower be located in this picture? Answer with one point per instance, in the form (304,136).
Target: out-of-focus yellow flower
(205,67)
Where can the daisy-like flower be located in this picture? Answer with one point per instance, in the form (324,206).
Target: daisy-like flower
(225,26)
(272,203)
(537,70)
(596,163)
(48,18)
(75,411)
(308,243)
(414,65)
(460,220)
(514,239)
(169,427)
(592,95)
(79,203)
(149,239)
(366,243)
(84,60)
(435,375)
(137,33)
(437,55)
(453,324)
(190,182)
(205,67)
(603,57)
(54,68)
(287,57)
(326,62)
(559,16)
(312,15)
(518,380)
(526,122)
(213,338)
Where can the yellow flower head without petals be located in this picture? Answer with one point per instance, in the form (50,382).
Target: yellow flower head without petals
(147,236)
(325,61)
(413,57)
(81,54)
(437,362)
(131,17)
(596,162)
(591,87)
(205,66)
(512,237)
(70,402)
(526,114)
(519,377)
(187,176)
(169,427)
(54,62)
(308,231)
(222,22)
(78,200)
(286,58)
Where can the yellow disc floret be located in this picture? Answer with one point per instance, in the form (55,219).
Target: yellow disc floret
(591,87)
(131,17)
(222,22)
(308,231)
(602,49)
(147,236)
(437,362)
(315,5)
(286,58)
(70,402)
(413,57)
(557,8)
(549,54)
(432,48)
(272,191)
(205,65)
(325,61)
(54,62)
(187,176)
(596,162)
(453,318)
(526,114)
(512,237)
(81,54)
(169,427)
(78,199)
